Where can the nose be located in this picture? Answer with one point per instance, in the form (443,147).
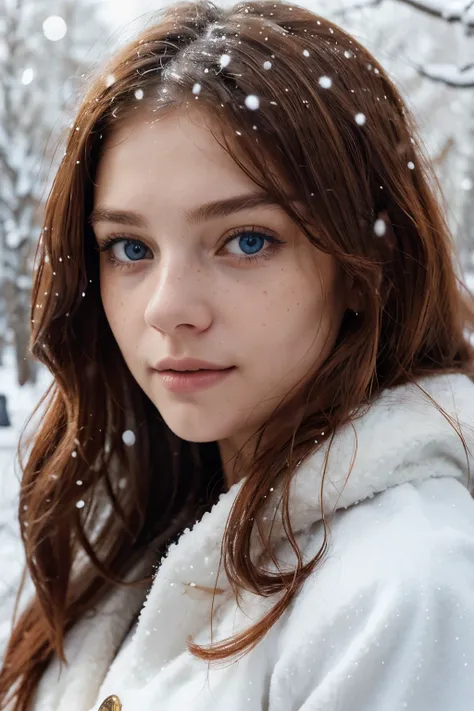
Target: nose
(180,296)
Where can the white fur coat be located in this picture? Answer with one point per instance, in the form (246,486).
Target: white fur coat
(386,623)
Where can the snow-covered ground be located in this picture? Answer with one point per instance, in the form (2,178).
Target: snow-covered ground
(20,404)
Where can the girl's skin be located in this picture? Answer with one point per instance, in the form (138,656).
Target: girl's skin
(187,293)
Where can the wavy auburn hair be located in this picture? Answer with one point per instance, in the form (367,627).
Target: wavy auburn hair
(335,130)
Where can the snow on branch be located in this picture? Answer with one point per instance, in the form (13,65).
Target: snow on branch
(347,6)
(461,77)
(462,11)
(449,10)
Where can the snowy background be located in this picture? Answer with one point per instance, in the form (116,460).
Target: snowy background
(46,49)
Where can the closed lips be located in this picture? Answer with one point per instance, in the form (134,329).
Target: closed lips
(196,370)
(189,365)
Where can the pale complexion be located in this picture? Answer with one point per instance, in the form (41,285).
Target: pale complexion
(188,291)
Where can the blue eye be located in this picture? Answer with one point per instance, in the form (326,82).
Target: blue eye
(255,245)
(134,250)
(254,241)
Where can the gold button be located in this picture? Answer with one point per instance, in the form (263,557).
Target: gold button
(111,703)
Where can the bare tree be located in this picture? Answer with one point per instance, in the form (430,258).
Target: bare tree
(447,11)
(41,60)
(458,11)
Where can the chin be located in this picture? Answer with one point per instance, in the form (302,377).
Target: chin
(198,434)
(198,439)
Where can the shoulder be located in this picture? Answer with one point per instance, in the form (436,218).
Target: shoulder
(395,592)
(407,538)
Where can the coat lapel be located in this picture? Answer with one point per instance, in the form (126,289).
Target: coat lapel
(179,603)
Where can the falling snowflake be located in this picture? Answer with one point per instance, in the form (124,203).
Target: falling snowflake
(27,76)
(360,119)
(54,28)
(196,88)
(224,60)
(129,438)
(139,94)
(380,228)
(80,504)
(325,82)
(411,165)
(267,65)
(252,102)
(109,80)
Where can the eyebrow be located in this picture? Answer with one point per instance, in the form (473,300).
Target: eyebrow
(208,211)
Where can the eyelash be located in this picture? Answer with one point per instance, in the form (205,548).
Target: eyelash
(273,245)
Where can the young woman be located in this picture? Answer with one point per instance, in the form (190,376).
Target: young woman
(250,486)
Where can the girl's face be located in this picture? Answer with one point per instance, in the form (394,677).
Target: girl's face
(191,277)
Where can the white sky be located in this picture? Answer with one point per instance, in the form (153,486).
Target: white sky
(119,12)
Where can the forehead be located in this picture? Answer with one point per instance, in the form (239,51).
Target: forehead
(150,158)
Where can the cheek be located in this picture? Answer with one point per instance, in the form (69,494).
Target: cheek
(298,323)
(280,326)
(117,311)
(111,301)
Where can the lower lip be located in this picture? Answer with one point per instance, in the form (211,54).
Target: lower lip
(191,382)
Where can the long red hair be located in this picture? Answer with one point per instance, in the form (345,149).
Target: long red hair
(349,172)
